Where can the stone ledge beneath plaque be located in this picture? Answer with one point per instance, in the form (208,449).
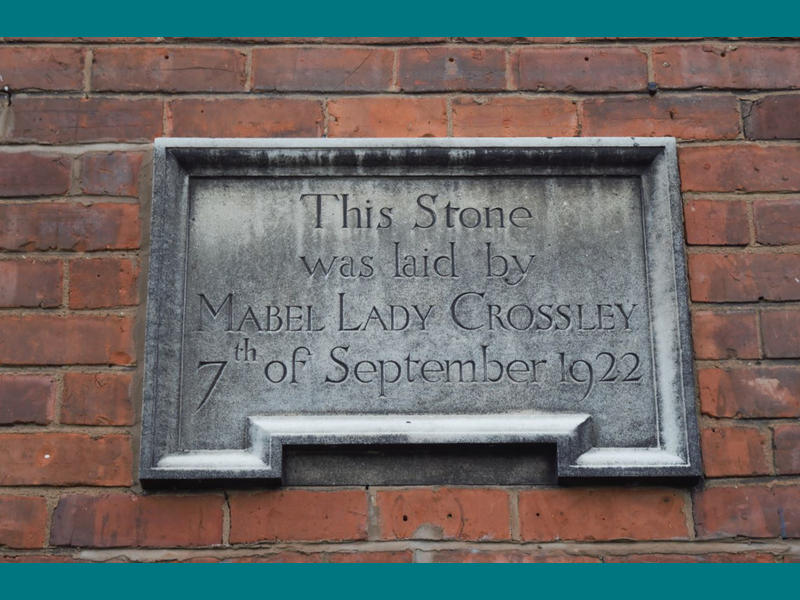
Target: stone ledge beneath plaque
(271,435)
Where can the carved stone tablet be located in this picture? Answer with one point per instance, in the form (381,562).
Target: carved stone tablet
(423,291)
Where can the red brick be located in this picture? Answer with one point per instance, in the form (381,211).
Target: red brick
(595,69)
(513,40)
(743,167)
(744,277)
(33,174)
(61,340)
(26,399)
(716,222)
(298,515)
(602,514)
(111,173)
(750,392)
(514,116)
(476,555)
(97,399)
(725,335)
(752,511)
(168,69)
(379,40)
(65,459)
(441,68)
(76,120)
(712,557)
(23,520)
(322,69)
(30,283)
(727,66)
(780,332)
(687,117)
(41,68)
(777,221)
(734,450)
(103,282)
(444,513)
(252,117)
(69,226)
(149,521)
(773,118)
(382,116)
(787,448)
(42,558)
(377,556)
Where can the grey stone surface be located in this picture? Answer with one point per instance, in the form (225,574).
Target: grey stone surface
(383,293)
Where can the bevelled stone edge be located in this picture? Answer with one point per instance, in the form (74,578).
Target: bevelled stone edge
(571,433)
(170,177)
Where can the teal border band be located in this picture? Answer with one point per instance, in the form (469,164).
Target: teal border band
(330,582)
(311,18)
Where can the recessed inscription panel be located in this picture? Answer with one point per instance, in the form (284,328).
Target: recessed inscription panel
(403,304)
(416,295)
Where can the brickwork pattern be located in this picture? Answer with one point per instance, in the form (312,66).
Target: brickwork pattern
(77,119)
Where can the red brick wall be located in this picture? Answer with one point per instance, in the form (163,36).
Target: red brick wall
(76,125)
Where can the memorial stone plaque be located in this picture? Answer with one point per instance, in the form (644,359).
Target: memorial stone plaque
(422,291)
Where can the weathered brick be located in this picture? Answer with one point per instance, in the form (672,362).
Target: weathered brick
(744,277)
(750,392)
(752,511)
(594,69)
(60,340)
(725,335)
(61,120)
(711,557)
(322,69)
(169,69)
(383,116)
(41,68)
(97,399)
(103,282)
(727,66)
(375,40)
(787,448)
(780,332)
(687,117)
(149,521)
(30,283)
(65,459)
(743,167)
(773,118)
(376,556)
(110,173)
(602,514)
(298,515)
(42,558)
(512,40)
(441,68)
(716,223)
(514,116)
(477,555)
(399,556)
(444,513)
(734,450)
(23,520)
(69,226)
(27,399)
(33,174)
(235,117)
(777,221)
